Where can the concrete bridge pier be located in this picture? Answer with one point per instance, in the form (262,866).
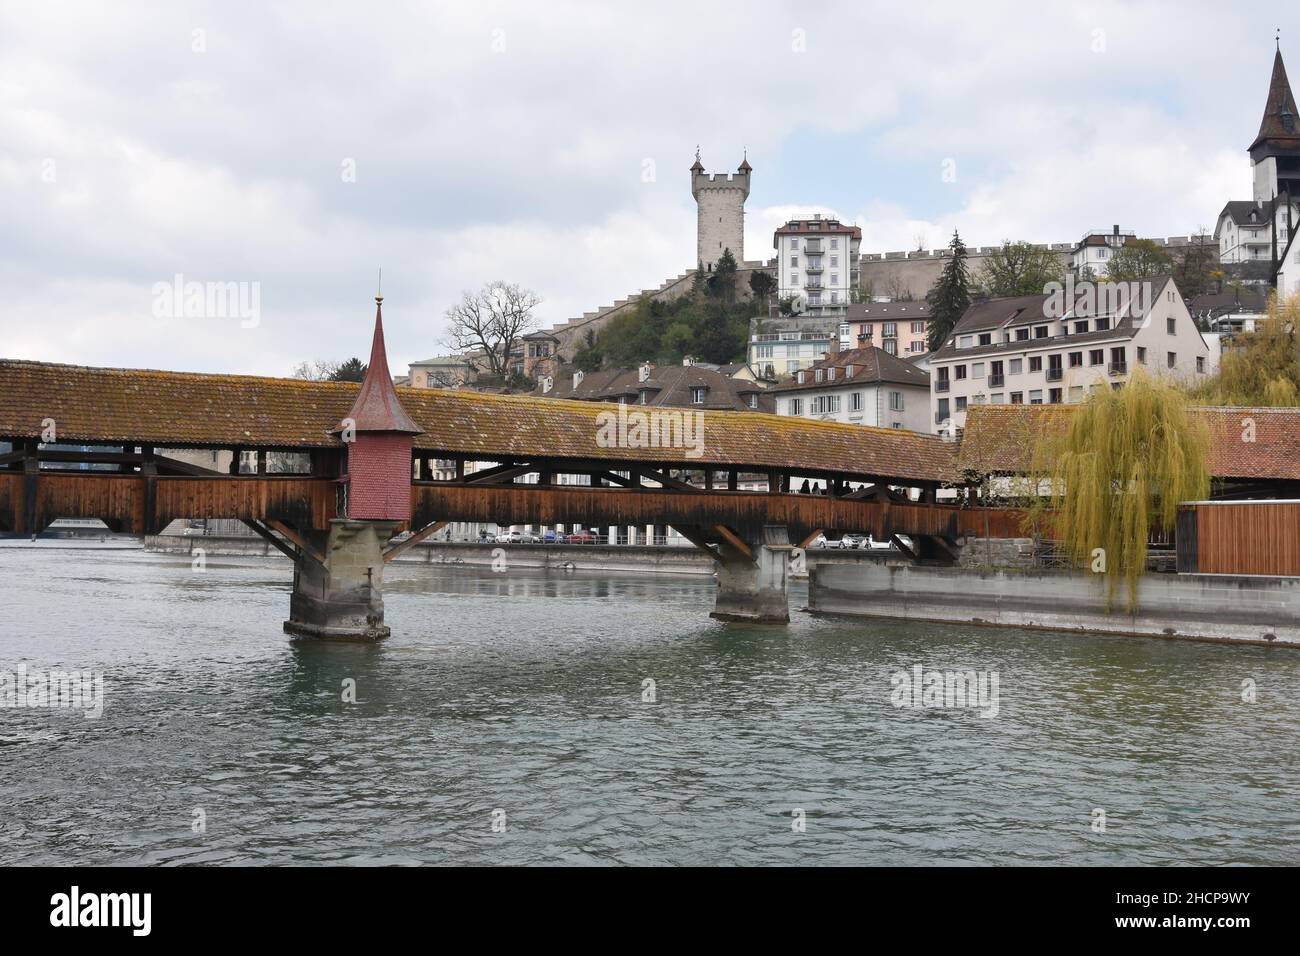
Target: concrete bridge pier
(338,583)
(753,580)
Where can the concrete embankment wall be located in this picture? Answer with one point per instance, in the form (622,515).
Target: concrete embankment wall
(1234,608)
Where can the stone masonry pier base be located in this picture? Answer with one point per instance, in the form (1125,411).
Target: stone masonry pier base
(341,599)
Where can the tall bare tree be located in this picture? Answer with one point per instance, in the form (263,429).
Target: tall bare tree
(492,321)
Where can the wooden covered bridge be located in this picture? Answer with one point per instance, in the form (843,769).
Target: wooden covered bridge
(368,453)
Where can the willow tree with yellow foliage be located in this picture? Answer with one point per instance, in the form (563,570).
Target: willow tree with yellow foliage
(1115,468)
(1260,367)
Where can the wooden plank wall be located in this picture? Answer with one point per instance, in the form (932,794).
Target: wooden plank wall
(1242,537)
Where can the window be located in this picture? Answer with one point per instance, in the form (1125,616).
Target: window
(855,402)
(1022,335)
(794,242)
(997,398)
(865,331)
(964,342)
(1200,364)
(1080,327)
(794,278)
(1036,396)
(1035,363)
(821,374)
(986,338)
(917,345)
(794,406)
(891,346)
(753,400)
(960,403)
(1142,354)
(896,401)
(835,262)
(889,330)
(763,351)
(1096,356)
(1016,366)
(1076,360)
(918,328)
(1054,396)
(794,262)
(1102,324)
(835,243)
(1017,398)
(1076,393)
(1040,331)
(792,366)
(1171,326)
(977,370)
(959,371)
(697,395)
(835,279)
(644,397)
(942,413)
(1171,359)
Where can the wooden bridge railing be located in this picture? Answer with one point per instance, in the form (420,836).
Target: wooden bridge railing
(145,504)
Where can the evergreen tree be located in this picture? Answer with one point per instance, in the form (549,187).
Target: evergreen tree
(950,297)
(353,370)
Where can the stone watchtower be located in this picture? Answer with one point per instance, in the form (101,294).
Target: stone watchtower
(720,213)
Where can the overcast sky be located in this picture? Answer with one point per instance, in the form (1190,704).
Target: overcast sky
(302,146)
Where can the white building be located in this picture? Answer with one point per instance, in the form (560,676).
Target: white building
(1090,258)
(817,262)
(1023,350)
(865,386)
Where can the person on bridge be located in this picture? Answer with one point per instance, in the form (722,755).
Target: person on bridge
(803,489)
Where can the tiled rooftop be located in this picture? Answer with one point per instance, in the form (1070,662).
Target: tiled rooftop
(167,409)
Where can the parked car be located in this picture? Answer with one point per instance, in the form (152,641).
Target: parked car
(551,536)
(502,537)
(582,537)
(853,541)
(820,542)
(521,537)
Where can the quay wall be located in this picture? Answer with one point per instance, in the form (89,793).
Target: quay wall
(1244,609)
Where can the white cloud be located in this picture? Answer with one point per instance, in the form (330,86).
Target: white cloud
(527,162)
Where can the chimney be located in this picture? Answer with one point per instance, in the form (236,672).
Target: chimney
(687,361)
(577,378)
(1116,228)
(548,383)
(643,373)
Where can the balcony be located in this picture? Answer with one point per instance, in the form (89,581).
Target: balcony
(942,384)
(812,247)
(1117,368)
(813,267)
(997,381)
(1055,374)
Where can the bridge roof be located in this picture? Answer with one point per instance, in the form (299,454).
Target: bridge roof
(177,409)
(999,439)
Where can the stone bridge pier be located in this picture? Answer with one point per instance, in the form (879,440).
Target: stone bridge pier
(754,578)
(338,583)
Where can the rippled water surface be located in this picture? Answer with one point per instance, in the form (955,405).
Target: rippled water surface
(522,692)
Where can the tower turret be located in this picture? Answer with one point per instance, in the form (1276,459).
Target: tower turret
(720,212)
(378,435)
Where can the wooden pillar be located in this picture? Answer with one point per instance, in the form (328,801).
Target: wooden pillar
(773,483)
(261,461)
(234,459)
(708,479)
(732,479)
(460,469)
(31,480)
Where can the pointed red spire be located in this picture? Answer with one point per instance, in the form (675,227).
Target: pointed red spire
(376,408)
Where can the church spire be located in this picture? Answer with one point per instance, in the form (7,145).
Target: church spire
(1279,121)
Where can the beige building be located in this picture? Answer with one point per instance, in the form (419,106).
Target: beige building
(817,262)
(866,386)
(1039,350)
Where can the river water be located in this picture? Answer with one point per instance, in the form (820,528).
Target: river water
(505,723)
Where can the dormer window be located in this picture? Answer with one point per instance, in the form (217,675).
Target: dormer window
(800,376)
(821,374)
(848,371)
(697,394)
